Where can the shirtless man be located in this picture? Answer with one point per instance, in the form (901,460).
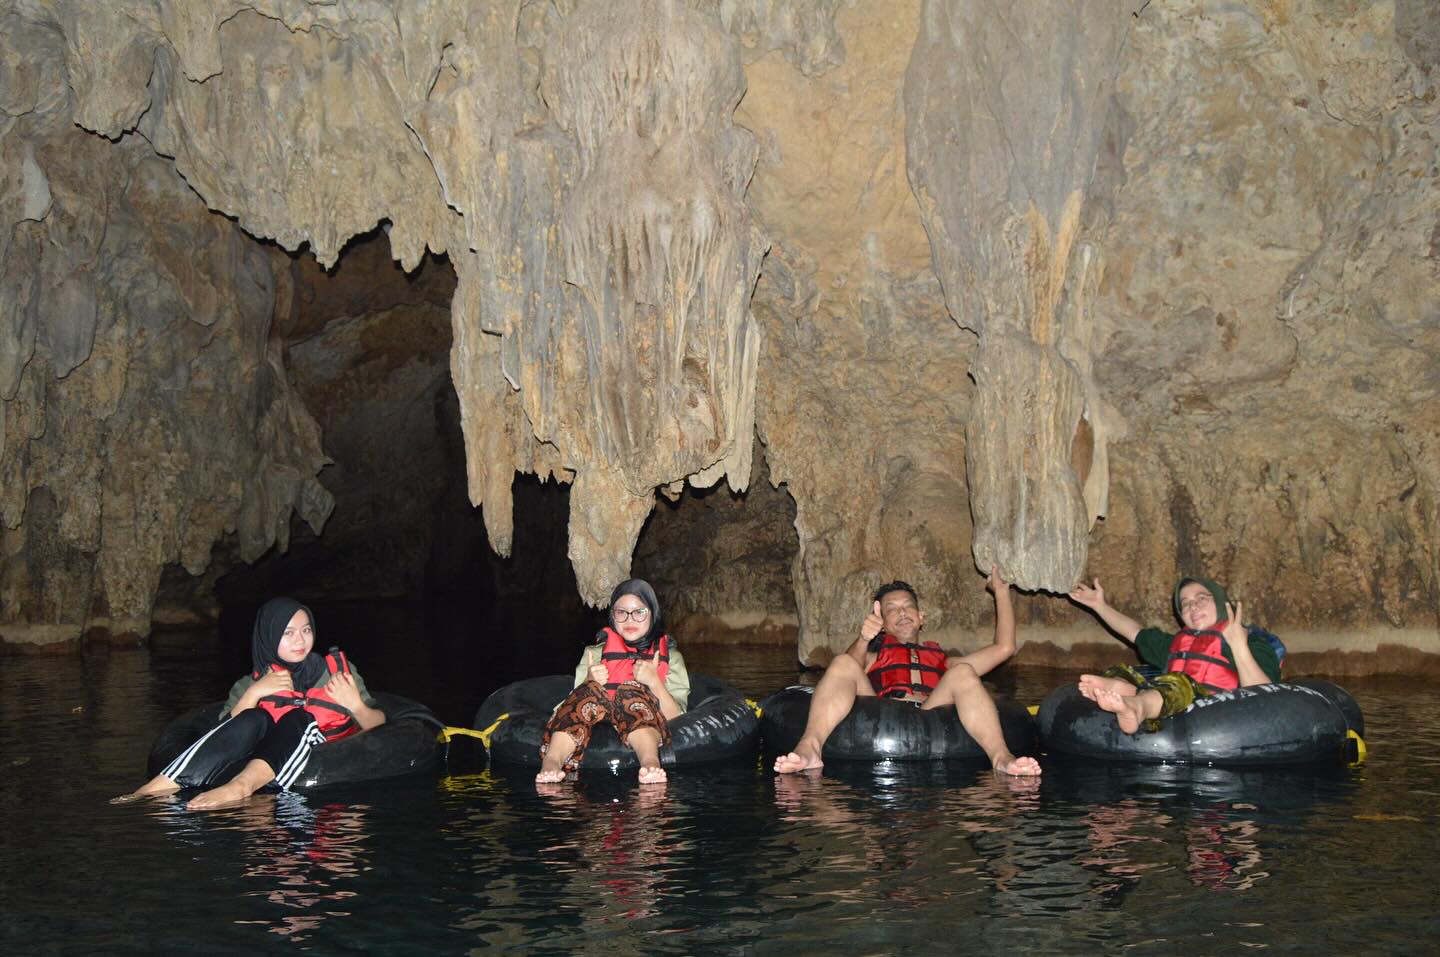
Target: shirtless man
(896,612)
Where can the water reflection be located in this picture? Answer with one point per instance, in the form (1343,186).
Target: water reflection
(1080,843)
(1220,817)
(732,860)
(292,854)
(1222,854)
(621,842)
(571,863)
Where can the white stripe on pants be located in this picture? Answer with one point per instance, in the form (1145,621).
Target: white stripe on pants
(175,768)
(295,764)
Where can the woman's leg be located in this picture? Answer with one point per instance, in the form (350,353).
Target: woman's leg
(642,728)
(1133,710)
(1159,698)
(280,756)
(567,733)
(1117,679)
(1177,692)
(211,757)
(645,742)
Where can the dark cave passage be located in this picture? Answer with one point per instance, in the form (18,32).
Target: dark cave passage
(404,557)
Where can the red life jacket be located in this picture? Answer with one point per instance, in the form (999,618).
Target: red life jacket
(620,659)
(1200,654)
(334,719)
(895,660)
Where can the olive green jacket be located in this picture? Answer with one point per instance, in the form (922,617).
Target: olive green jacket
(246,680)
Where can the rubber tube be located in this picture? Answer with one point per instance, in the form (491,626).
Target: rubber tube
(404,744)
(1265,725)
(881,729)
(719,725)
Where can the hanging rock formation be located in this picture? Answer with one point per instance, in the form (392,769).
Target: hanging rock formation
(634,351)
(1006,111)
(1169,263)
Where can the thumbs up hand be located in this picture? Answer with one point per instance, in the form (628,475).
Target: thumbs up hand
(648,672)
(873,623)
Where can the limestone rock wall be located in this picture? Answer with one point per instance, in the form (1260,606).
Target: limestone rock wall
(1268,319)
(145,410)
(1172,263)
(863,392)
(1283,443)
(1006,118)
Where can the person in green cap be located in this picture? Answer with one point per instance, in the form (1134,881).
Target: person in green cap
(1213,652)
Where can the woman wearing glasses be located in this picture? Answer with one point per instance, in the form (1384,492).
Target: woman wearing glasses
(1213,652)
(633,677)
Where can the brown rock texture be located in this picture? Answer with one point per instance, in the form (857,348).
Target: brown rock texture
(1006,119)
(145,407)
(975,275)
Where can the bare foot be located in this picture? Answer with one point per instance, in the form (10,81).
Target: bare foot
(652,774)
(232,793)
(1125,708)
(1017,767)
(158,786)
(805,757)
(142,795)
(1091,685)
(553,757)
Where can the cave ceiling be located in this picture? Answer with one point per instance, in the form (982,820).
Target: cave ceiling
(1073,287)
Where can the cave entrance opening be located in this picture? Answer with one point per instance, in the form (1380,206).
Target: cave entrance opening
(405,555)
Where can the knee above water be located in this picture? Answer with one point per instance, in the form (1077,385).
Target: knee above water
(961,675)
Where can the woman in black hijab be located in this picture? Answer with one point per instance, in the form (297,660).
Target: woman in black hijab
(633,676)
(292,700)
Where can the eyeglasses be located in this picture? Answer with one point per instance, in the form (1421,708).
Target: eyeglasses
(1199,601)
(636,615)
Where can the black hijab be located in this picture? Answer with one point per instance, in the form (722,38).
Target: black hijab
(640,589)
(270,622)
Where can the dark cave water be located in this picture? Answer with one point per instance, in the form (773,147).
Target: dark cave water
(730,859)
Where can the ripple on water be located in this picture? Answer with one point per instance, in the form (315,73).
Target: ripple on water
(862,859)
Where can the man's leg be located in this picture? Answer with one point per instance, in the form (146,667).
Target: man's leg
(960,686)
(834,696)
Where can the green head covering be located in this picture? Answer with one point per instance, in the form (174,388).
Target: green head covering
(1216,592)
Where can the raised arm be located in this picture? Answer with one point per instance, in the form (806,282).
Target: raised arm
(988,658)
(872,625)
(1236,636)
(1093,597)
